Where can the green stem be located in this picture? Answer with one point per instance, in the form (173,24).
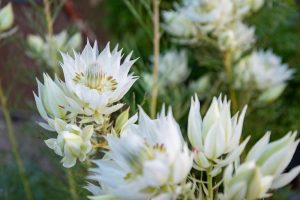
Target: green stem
(210,185)
(156,44)
(13,142)
(228,70)
(71,182)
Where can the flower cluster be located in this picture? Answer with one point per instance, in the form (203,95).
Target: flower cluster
(220,20)
(46,50)
(92,87)
(263,71)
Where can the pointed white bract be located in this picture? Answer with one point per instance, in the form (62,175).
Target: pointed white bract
(217,135)
(274,157)
(72,142)
(265,72)
(149,160)
(98,80)
(247,182)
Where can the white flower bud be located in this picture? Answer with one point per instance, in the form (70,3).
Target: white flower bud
(6,17)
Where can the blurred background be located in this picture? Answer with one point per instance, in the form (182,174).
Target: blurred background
(129,24)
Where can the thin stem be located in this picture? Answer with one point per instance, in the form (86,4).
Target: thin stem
(156,47)
(49,23)
(228,70)
(210,185)
(71,182)
(13,142)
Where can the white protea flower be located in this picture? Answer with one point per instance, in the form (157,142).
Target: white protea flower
(6,17)
(274,157)
(247,182)
(216,136)
(264,71)
(50,101)
(47,49)
(98,80)
(177,24)
(209,15)
(237,38)
(149,160)
(72,142)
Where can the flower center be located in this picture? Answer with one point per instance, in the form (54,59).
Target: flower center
(96,80)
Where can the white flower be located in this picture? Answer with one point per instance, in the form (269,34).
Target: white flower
(48,49)
(274,157)
(50,101)
(147,161)
(209,15)
(98,80)
(173,69)
(237,38)
(262,70)
(177,24)
(247,182)
(217,135)
(244,7)
(72,142)
(6,17)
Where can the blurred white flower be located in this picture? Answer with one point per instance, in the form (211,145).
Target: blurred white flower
(201,85)
(209,15)
(177,24)
(247,182)
(47,50)
(237,38)
(274,157)
(262,70)
(6,17)
(148,161)
(173,69)
(72,142)
(98,80)
(244,7)
(217,135)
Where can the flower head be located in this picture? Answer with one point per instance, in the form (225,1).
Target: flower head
(147,160)
(98,80)
(274,157)
(218,134)
(247,182)
(72,142)
(264,71)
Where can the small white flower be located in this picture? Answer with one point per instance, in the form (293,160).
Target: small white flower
(72,142)
(262,70)
(47,49)
(98,80)
(274,157)
(6,17)
(177,24)
(237,38)
(247,182)
(217,135)
(148,161)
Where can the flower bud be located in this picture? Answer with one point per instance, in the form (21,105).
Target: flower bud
(6,17)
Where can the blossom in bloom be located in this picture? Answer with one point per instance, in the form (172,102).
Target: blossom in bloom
(72,142)
(274,157)
(6,17)
(247,182)
(47,49)
(98,80)
(237,38)
(209,15)
(150,160)
(216,136)
(264,71)
(177,24)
